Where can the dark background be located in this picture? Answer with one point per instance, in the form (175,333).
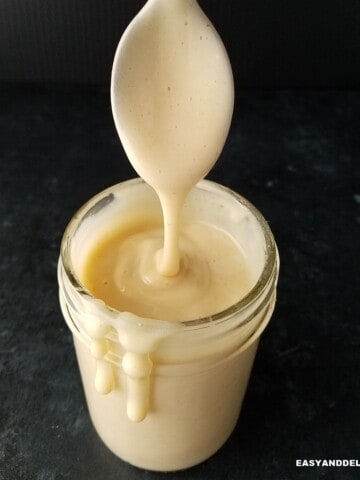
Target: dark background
(271,43)
(293,150)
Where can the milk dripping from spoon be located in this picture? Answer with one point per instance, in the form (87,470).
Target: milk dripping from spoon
(172,99)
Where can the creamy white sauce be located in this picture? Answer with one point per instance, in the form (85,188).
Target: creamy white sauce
(172,98)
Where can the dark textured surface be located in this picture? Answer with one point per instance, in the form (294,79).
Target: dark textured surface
(293,154)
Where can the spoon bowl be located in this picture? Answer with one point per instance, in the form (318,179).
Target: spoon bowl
(172,93)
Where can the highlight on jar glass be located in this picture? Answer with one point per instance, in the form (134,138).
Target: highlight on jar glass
(165,375)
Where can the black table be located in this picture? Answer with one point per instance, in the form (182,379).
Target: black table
(296,156)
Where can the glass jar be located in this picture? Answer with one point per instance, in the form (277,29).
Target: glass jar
(163,395)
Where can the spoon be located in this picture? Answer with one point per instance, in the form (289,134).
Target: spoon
(172,99)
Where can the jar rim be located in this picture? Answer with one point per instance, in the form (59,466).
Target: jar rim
(266,275)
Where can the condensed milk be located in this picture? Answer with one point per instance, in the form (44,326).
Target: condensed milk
(167,285)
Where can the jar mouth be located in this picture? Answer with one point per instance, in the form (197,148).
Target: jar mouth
(263,280)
